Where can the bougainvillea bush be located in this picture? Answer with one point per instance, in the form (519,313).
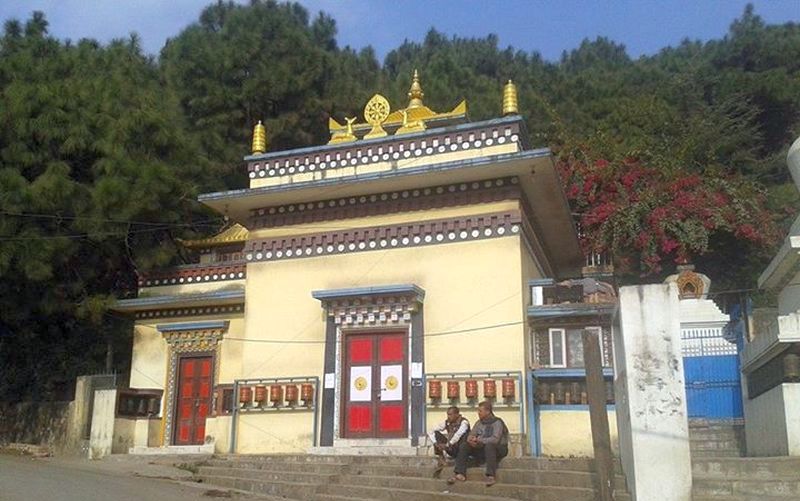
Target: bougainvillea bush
(648,217)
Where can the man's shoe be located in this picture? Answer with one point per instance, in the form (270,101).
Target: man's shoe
(456,478)
(490,481)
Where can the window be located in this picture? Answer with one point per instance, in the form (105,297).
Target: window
(566,347)
(558,348)
(138,403)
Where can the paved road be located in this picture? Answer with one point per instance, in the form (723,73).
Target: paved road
(26,479)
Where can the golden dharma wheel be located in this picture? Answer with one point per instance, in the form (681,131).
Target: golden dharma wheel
(377,110)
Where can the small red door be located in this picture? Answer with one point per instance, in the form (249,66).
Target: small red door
(375,400)
(194,400)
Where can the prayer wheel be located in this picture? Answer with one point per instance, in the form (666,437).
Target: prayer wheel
(489,388)
(245,395)
(307,393)
(508,389)
(276,394)
(575,392)
(542,393)
(261,394)
(434,389)
(153,405)
(453,390)
(471,387)
(559,393)
(291,393)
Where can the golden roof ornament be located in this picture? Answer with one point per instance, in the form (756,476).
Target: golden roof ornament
(344,137)
(415,93)
(375,113)
(510,104)
(259,138)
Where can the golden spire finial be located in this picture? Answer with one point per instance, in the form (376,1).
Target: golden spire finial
(259,138)
(415,93)
(510,105)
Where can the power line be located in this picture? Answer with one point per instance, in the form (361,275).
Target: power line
(425,335)
(103,220)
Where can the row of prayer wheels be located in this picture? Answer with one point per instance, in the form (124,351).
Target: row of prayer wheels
(568,392)
(276,394)
(508,389)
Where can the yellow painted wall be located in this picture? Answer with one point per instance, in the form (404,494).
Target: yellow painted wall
(569,433)
(149,361)
(149,368)
(281,431)
(466,287)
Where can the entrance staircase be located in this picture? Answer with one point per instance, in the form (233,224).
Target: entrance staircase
(720,473)
(340,478)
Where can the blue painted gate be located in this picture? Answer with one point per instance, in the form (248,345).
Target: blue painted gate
(713,377)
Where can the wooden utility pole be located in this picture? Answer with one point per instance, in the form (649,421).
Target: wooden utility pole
(596,393)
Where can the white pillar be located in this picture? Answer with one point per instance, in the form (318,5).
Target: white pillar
(650,395)
(102,435)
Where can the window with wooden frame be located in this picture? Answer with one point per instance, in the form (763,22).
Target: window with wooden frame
(225,399)
(565,347)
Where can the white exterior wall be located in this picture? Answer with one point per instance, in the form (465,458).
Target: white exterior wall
(651,399)
(765,416)
(791,402)
(101,438)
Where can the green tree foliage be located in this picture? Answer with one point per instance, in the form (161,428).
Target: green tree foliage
(96,175)
(264,61)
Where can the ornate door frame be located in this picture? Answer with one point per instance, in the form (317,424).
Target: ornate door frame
(187,338)
(395,308)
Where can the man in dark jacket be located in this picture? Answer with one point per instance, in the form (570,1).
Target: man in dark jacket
(487,441)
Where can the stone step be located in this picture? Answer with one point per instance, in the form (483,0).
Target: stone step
(390,493)
(289,466)
(288,490)
(747,468)
(706,445)
(505,475)
(524,463)
(266,475)
(728,497)
(710,454)
(282,458)
(790,489)
(471,487)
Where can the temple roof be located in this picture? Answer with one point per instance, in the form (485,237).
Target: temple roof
(232,235)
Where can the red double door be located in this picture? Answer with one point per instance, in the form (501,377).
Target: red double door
(193,399)
(375,390)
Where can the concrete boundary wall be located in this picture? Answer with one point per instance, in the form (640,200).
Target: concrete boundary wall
(652,418)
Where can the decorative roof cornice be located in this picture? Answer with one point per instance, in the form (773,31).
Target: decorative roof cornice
(449,195)
(410,234)
(194,273)
(365,151)
(232,235)
(190,299)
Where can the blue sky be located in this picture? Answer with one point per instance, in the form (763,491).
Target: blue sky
(550,27)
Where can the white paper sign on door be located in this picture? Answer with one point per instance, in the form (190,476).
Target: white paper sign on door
(360,384)
(391,383)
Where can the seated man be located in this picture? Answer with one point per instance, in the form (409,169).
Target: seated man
(449,434)
(488,441)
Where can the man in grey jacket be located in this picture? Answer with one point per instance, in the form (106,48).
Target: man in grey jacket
(487,441)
